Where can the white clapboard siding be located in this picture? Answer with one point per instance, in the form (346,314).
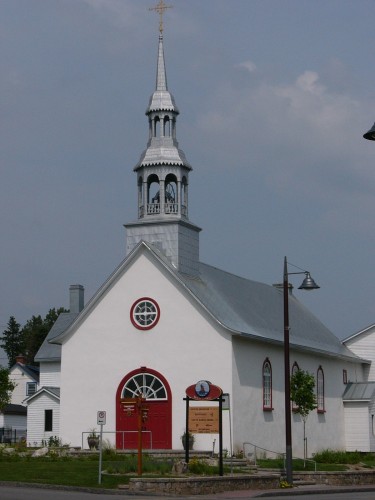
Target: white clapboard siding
(357,427)
(20,378)
(35,419)
(49,375)
(364,346)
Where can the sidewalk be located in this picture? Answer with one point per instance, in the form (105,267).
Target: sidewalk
(287,492)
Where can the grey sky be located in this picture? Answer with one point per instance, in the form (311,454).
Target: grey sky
(274,98)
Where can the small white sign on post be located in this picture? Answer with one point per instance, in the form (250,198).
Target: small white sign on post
(101,417)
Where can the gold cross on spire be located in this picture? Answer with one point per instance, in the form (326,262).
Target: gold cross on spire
(160,8)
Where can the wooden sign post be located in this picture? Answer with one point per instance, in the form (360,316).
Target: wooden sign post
(205,419)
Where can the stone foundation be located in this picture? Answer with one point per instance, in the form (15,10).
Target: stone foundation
(344,478)
(204,485)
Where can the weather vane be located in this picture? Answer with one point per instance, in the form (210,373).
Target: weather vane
(160,8)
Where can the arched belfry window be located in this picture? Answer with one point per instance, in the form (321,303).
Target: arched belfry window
(140,196)
(184,197)
(157,127)
(320,390)
(153,194)
(171,201)
(167,127)
(267,385)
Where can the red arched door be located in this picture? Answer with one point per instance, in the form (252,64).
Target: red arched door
(157,430)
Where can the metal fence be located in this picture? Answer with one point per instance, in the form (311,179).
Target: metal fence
(10,436)
(122,435)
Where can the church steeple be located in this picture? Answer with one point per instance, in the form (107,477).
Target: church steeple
(162,180)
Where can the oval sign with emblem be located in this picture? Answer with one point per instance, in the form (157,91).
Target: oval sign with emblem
(203,390)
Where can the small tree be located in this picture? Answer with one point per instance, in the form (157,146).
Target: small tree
(302,393)
(12,341)
(6,388)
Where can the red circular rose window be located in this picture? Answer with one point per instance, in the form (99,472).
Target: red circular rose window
(145,313)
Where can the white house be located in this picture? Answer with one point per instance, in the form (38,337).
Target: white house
(26,380)
(359,397)
(13,418)
(164,320)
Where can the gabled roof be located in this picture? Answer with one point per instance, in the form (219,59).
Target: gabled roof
(359,391)
(255,310)
(31,371)
(12,409)
(361,332)
(52,352)
(244,307)
(51,391)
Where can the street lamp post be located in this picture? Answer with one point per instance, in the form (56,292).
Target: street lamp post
(307,284)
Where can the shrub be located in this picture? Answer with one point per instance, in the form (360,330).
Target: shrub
(341,457)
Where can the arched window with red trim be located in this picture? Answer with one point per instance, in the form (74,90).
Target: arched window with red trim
(320,390)
(267,385)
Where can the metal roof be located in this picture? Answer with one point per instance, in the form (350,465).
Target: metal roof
(244,307)
(255,310)
(359,391)
(52,391)
(12,409)
(32,371)
(162,150)
(161,99)
(52,352)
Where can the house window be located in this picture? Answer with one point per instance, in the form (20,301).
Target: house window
(320,390)
(344,377)
(267,385)
(30,388)
(48,420)
(295,369)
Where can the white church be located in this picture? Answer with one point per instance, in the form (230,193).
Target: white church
(164,320)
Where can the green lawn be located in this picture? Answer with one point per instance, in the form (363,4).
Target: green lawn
(84,470)
(75,472)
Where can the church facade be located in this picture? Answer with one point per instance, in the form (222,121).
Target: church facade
(164,320)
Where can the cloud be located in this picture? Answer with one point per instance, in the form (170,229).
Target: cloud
(301,137)
(248,66)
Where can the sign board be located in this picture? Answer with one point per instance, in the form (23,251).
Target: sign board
(101,417)
(204,420)
(203,390)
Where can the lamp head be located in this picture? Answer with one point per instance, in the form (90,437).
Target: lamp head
(370,135)
(308,283)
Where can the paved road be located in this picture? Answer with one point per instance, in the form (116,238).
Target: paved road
(36,493)
(364,495)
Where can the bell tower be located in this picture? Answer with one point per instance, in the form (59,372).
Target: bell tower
(163,180)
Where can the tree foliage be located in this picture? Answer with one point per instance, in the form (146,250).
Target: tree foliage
(302,392)
(12,341)
(28,340)
(6,388)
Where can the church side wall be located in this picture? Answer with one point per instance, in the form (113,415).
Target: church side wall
(49,374)
(185,346)
(266,429)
